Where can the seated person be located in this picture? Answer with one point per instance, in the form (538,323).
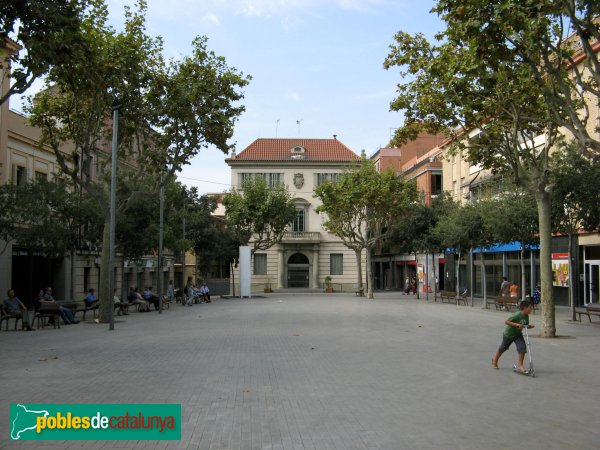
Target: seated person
(15,308)
(90,298)
(135,298)
(205,292)
(150,297)
(123,306)
(67,315)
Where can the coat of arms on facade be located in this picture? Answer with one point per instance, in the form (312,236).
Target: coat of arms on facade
(298,180)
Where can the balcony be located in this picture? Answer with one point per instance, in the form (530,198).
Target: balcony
(292,237)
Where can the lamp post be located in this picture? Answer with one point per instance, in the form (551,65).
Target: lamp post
(113,200)
(160,244)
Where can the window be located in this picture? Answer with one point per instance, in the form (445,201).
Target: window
(325,177)
(260,264)
(336,264)
(86,279)
(298,224)
(19,175)
(272,179)
(436,184)
(40,176)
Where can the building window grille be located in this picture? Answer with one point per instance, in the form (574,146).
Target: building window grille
(260,264)
(336,264)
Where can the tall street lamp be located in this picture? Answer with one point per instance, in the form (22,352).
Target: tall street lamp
(113,200)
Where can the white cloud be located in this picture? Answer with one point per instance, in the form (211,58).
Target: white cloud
(211,18)
(292,95)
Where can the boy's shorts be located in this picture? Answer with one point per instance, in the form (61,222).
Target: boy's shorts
(519,342)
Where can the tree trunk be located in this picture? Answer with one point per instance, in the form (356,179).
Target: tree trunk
(359,284)
(232,280)
(370,274)
(435,289)
(571,286)
(484,280)
(104,294)
(548,326)
(417,277)
(458,274)
(523,273)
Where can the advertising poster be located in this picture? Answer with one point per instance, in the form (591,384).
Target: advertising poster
(560,269)
(421,276)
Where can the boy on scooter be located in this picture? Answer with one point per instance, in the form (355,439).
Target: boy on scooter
(512,333)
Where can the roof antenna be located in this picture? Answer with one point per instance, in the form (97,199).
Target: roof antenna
(276,127)
(298,123)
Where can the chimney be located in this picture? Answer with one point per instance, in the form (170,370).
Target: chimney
(363,154)
(335,137)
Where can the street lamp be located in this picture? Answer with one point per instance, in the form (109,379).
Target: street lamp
(160,244)
(113,200)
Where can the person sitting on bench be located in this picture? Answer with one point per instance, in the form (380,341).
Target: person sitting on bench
(15,308)
(90,298)
(205,292)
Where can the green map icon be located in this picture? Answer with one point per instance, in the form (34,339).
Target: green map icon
(24,419)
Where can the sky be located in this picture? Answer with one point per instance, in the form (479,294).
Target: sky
(316,62)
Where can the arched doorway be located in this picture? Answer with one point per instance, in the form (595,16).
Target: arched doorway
(298,268)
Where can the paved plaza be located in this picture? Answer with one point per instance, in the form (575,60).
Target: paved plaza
(316,371)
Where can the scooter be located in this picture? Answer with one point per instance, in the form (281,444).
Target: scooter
(529,372)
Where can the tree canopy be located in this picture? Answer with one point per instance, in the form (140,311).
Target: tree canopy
(363,208)
(48,32)
(260,214)
(169,110)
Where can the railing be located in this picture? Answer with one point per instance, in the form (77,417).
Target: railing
(310,236)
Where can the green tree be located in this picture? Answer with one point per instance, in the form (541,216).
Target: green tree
(48,32)
(511,216)
(575,203)
(363,207)
(565,68)
(260,215)
(462,228)
(129,66)
(452,88)
(49,217)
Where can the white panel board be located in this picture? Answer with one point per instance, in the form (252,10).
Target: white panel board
(245,272)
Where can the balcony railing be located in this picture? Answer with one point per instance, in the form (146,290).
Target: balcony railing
(301,236)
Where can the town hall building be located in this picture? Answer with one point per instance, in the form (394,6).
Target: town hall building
(308,253)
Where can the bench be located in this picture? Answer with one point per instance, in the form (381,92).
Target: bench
(84,309)
(5,317)
(359,292)
(453,296)
(48,311)
(448,295)
(591,309)
(506,302)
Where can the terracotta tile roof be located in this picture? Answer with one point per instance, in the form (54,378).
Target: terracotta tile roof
(282,150)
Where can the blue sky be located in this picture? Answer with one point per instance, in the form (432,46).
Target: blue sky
(315,61)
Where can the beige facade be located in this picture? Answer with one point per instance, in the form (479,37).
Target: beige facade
(22,160)
(308,253)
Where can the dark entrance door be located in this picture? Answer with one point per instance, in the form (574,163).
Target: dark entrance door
(298,271)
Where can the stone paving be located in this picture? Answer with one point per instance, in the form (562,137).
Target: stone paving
(316,371)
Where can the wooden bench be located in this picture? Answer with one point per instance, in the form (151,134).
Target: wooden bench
(5,317)
(83,308)
(452,296)
(448,295)
(591,309)
(506,302)
(358,292)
